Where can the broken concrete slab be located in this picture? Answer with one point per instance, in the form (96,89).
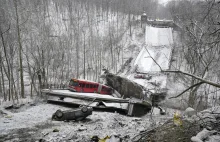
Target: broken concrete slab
(124,86)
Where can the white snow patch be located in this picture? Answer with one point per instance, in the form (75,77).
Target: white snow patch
(190,112)
(158,36)
(28,118)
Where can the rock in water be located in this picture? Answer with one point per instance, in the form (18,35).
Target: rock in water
(124,86)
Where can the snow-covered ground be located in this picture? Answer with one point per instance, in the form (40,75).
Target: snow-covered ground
(36,120)
(35,123)
(28,118)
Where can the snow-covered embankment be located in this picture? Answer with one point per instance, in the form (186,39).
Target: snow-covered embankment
(158,45)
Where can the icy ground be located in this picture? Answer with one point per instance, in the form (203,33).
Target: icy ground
(34,123)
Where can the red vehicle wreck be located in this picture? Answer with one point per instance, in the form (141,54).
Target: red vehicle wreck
(79,85)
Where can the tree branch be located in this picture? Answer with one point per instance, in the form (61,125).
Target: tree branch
(153,59)
(5,30)
(194,76)
(185,73)
(200,83)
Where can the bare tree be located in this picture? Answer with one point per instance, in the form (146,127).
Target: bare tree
(200,49)
(20,47)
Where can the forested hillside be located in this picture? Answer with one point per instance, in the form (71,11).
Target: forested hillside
(128,57)
(49,42)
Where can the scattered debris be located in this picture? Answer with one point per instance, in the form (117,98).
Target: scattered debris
(162,111)
(8,116)
(15,107)
(82,129)
(177,119)
(156,84)
(56,130)
(32,104)
(2,113)
(123,67)
(143,76)
(131,107)
(9,106)
(45,134)
(78,114)
(201,136)
(140,108)
(112,138)
(94,139)
(156,98)
(168,132)
(42,140)
(104,139)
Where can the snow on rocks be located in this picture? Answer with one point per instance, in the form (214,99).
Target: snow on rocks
(214,138)
(190,112)
(201,136)
(208,117)
(209,120)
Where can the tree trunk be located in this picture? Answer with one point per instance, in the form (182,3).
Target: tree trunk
(2,78)
(20,49)
(30,74)
(7,72)
(18,78)
(43,70)
(192,98)
(84,57)
(129,23)
(111,48)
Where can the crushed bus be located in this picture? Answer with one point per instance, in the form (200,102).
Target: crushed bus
(85,86)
